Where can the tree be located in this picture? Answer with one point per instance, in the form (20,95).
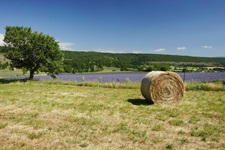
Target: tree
(33,51)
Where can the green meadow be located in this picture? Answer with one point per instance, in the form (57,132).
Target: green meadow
(69,115)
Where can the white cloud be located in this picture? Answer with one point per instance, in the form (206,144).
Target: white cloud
(136,52)
(108,51)
(66,45)
(98,50)
(181,48)
(207,46)
(79,50)
(159,50)
(1,39)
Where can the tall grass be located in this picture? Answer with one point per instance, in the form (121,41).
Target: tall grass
(189,86)
(205,86)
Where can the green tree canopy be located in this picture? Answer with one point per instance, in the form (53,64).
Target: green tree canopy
(33,51)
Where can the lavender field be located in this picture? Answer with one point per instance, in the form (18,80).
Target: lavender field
(136,77)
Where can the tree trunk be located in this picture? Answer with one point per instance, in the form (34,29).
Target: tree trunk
(31,74)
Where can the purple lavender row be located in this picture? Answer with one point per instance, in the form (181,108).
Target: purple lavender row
(137,77)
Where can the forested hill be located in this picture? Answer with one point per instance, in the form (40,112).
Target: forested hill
(96,60)
(132,58)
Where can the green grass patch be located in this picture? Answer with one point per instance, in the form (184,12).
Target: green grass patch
(208,131)
(194,119)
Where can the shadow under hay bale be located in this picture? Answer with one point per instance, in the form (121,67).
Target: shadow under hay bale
(140,102)
(162,87)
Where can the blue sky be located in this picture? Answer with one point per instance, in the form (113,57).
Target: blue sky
(181,27)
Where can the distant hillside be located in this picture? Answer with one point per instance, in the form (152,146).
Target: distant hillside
(82,60)
(96,61)
(140,58)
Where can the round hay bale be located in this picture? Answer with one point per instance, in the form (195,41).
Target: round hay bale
(162,87)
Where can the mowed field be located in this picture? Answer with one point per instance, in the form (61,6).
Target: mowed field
(65,115)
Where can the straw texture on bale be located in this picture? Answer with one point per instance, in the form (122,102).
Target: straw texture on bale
(162,87)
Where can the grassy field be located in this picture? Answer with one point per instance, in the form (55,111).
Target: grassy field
(7,73)
(10,74)
(67,115)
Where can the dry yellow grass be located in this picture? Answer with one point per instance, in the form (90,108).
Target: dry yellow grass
(44,115)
